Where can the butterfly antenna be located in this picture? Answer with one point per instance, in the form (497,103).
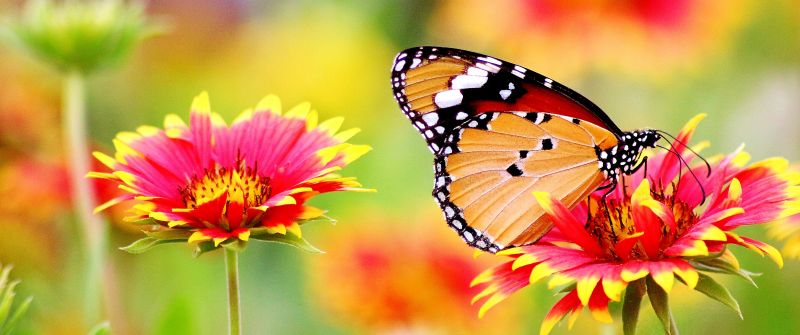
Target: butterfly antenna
(694,176)
(708,166)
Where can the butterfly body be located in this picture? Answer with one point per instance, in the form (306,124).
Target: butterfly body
(498,132)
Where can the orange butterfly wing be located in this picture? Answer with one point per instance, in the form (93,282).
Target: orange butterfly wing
(490,166)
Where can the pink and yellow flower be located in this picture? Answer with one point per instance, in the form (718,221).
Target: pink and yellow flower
(568,37)
(674,226)
(210,183)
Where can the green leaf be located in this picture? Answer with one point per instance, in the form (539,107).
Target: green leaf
(714,290)
(289,239)
(203,247)
(568,288)
(169,234)
(4,276)
(721,266)
(7,296)
(6,300)
(8,326)
(144,244)
(660,302)
(322,218)
(631,306)
(102,328)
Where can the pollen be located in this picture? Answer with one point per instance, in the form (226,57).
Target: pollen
(242,184)
(612,222)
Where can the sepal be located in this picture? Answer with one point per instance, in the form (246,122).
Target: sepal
(631,306)
(716,291)
(155,238)
(261,234)
(659,300)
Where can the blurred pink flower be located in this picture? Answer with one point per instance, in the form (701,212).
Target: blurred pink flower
(656,37)
(401,277)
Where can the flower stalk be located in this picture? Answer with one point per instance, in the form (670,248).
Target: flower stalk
(234,312)
(75,138)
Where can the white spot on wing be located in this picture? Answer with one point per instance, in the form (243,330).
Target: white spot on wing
(399,65)
(449,98)
(505,94)
(474,71)
(461,116)
(539,118)
(468,236)
(488,67)
(490,60)
(449,212)
(463,81)
(430,118)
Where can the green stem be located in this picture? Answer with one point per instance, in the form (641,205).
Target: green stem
(673,327)
(234,312)
(75,138)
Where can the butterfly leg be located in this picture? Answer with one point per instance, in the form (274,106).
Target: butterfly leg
(641,164)
(624,188)
(611,187)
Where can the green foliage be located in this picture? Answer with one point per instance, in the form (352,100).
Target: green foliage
(103,328)
(290,239)
(660,302)
(9,316)
(720,266)
(631,306)
(714,290)
(144,244)
(156,238)
(80,35)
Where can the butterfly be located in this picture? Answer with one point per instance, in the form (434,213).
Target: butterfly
(498,132)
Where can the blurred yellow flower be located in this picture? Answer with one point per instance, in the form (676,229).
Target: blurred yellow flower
(787,230)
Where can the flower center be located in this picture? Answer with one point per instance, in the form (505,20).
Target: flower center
(242,185)
(612,225)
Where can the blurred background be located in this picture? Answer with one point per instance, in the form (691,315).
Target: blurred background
(392,266)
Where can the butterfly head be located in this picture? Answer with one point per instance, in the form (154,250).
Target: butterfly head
(645,138)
